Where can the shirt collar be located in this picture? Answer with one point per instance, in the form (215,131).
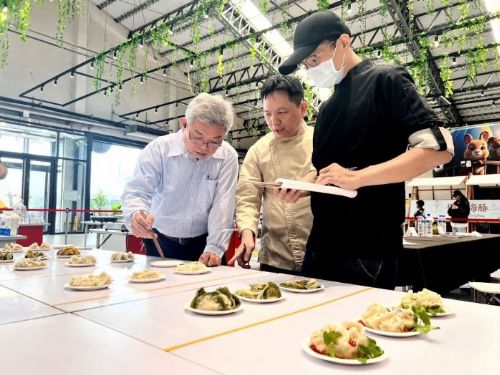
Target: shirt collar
(356,69)
(299,134)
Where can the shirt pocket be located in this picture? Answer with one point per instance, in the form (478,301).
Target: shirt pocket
(207,194)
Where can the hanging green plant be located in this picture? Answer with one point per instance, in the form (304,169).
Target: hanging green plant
(120,64)
(344,10)
(99,63)
(308,96)
(4,37)
(264,5)
(445,74)
(220,64)
(67,10)
(322,4)
(23,19)
(253,49)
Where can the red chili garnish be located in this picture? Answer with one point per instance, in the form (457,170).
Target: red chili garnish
(314,349)
(352,343)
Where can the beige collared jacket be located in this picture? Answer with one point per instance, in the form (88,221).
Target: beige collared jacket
(285,226)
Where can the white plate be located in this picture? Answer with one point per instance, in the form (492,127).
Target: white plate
(146,280)
(193,272)
(260,300)
(122,261)
(392,334)
(93,287)
(6,261)
(63,246)
(41,258)
(79,265)
(29,268)
(27,248)
(207,312)
(166,263)
(447,312)
(352,362)
(17,251)
(293,290)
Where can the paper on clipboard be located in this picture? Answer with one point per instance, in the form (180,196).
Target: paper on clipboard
(301,185)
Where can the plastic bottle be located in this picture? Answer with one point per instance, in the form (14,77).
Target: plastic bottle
(428,225)
(441,224)
(13,223)
(420,225)
(20,210)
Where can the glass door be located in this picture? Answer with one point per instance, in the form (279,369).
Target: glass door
(38,189)
(11,187)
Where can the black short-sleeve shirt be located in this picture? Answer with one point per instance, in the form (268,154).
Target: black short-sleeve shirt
(365,122)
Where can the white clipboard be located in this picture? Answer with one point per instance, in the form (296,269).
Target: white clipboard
(285,183)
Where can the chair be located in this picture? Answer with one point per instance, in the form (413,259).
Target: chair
(134,244)
(233,245)
(490,292)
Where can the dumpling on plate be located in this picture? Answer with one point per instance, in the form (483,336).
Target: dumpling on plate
(346,341)
(219,300)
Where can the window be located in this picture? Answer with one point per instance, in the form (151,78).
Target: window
(112,168)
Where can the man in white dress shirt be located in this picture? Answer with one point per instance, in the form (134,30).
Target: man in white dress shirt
(184,186)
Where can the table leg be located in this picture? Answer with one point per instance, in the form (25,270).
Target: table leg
(86,232)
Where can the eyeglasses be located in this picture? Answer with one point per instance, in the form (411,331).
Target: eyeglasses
(312,61)
(212,145)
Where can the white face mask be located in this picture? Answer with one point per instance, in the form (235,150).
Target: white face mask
(325,75)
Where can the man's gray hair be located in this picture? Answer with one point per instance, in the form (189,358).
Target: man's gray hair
(211,109)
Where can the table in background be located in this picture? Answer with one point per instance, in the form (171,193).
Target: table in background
(106,234)
(86,227)
(444,263)
(32,231)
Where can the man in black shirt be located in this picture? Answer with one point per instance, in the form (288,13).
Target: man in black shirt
(360,142)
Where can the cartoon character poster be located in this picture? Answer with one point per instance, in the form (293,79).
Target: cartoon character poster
(477,150)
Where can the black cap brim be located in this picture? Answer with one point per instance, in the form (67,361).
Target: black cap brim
(291,63)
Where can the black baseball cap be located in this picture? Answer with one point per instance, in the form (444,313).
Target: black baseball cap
(309,34)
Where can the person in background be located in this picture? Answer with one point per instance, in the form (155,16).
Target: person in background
(420,209)
(360,142)
(184,186)
(459,211)
(285,152)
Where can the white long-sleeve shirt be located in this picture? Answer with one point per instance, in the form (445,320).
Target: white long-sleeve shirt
(187,197)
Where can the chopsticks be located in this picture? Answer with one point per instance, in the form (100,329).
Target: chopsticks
(153,237)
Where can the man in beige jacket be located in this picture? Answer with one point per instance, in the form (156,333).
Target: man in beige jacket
(285,152)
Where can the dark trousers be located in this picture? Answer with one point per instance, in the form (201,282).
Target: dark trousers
(375,271)
(268,268)
(190,250)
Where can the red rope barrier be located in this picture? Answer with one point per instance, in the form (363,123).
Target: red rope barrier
(61,210)
(464,220)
